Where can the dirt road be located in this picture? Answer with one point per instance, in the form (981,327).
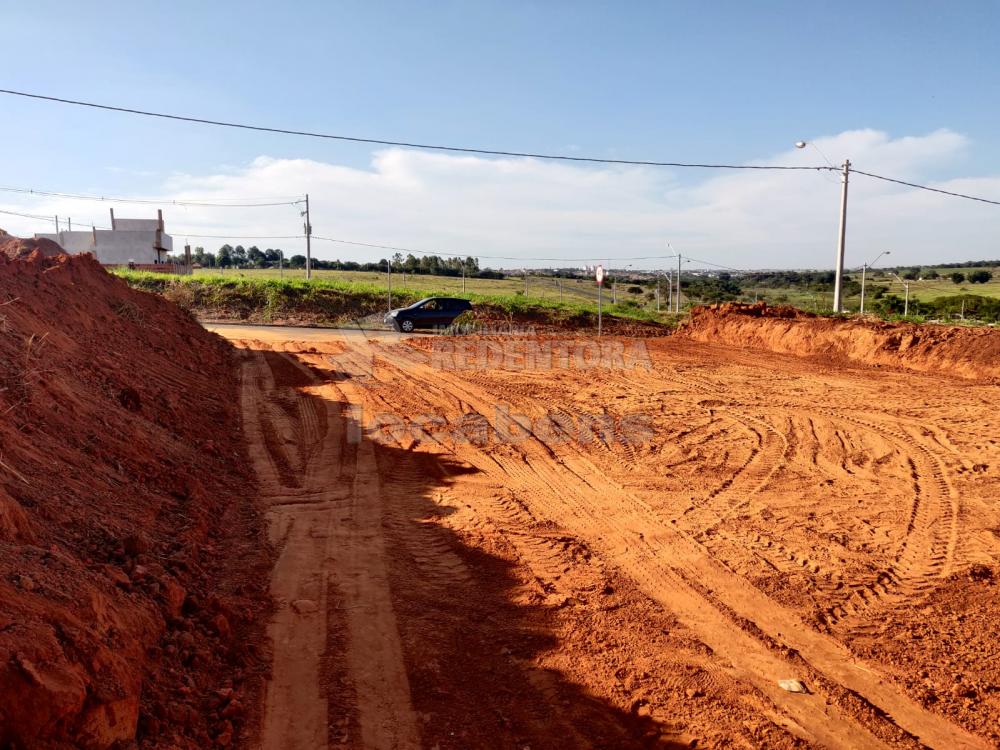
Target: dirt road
(547,544)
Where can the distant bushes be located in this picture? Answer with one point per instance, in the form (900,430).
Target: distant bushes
(972,306)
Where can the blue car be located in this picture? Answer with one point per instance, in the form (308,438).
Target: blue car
(433,312)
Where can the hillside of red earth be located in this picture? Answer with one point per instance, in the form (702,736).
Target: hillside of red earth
(133,565)
(972,353)
(14,248)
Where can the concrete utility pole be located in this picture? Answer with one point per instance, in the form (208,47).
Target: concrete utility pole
(57,224)
(281,265)
(657,292)
(388,280)
(906,294)
(525,282)
(599,277)
(838,305)
(309,231)
(677,309)
(600,301)
(842,237)
(463,277)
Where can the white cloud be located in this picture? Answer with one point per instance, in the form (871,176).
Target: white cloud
(534,209)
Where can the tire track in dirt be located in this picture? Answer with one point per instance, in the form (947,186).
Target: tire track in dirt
(925,555)
(573,502)
(331,567)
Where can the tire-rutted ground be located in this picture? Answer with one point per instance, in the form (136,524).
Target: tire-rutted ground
(623,547)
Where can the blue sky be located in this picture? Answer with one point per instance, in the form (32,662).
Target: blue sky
(721,81)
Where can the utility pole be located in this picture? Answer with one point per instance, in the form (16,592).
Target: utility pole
(463,277)
(677,303)
(281,263)
(309,231)
(388,280)
(670,290)
(599,277)
(864,271)
(906,294)
(560,290)
(657,292)
(57,224)
(525,282)
(841,242)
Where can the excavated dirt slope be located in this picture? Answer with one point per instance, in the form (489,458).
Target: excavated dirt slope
(16,247)
(952,350)
(131,563)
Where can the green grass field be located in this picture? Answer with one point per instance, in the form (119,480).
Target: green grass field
(584,291)
(581,294)
(268,291)
(544,288)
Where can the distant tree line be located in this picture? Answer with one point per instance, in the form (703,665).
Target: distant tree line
(251,257)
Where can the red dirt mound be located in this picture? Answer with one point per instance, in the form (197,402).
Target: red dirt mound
(951,350)
(15,247)
(132,567)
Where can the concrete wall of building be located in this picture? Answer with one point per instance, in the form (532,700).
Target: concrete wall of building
(116,247)
(136,225)
(72,242)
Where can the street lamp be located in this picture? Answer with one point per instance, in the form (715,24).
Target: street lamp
(842,237)
(906,298)
(864,270)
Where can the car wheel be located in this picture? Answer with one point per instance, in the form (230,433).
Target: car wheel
(406,326)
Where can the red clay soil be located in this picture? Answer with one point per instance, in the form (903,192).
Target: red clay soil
(16,247)
(950,350)
(133,567)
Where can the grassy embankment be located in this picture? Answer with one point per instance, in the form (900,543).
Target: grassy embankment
(331,301)
(584,291)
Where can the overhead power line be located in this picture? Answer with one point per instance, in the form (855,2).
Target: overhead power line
(714,265)
(154,201)
(180,233)
(28,216)
(926,187)
(406,144)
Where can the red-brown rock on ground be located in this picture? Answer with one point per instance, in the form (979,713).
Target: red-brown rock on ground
(127,534)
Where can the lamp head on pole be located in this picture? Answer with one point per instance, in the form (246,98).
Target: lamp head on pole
(800,144)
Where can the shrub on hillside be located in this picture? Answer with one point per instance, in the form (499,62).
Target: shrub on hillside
(980,277)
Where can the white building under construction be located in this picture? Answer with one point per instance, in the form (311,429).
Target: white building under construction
(139,241)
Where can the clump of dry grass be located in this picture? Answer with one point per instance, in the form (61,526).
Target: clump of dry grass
(22,371)
(128,310)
